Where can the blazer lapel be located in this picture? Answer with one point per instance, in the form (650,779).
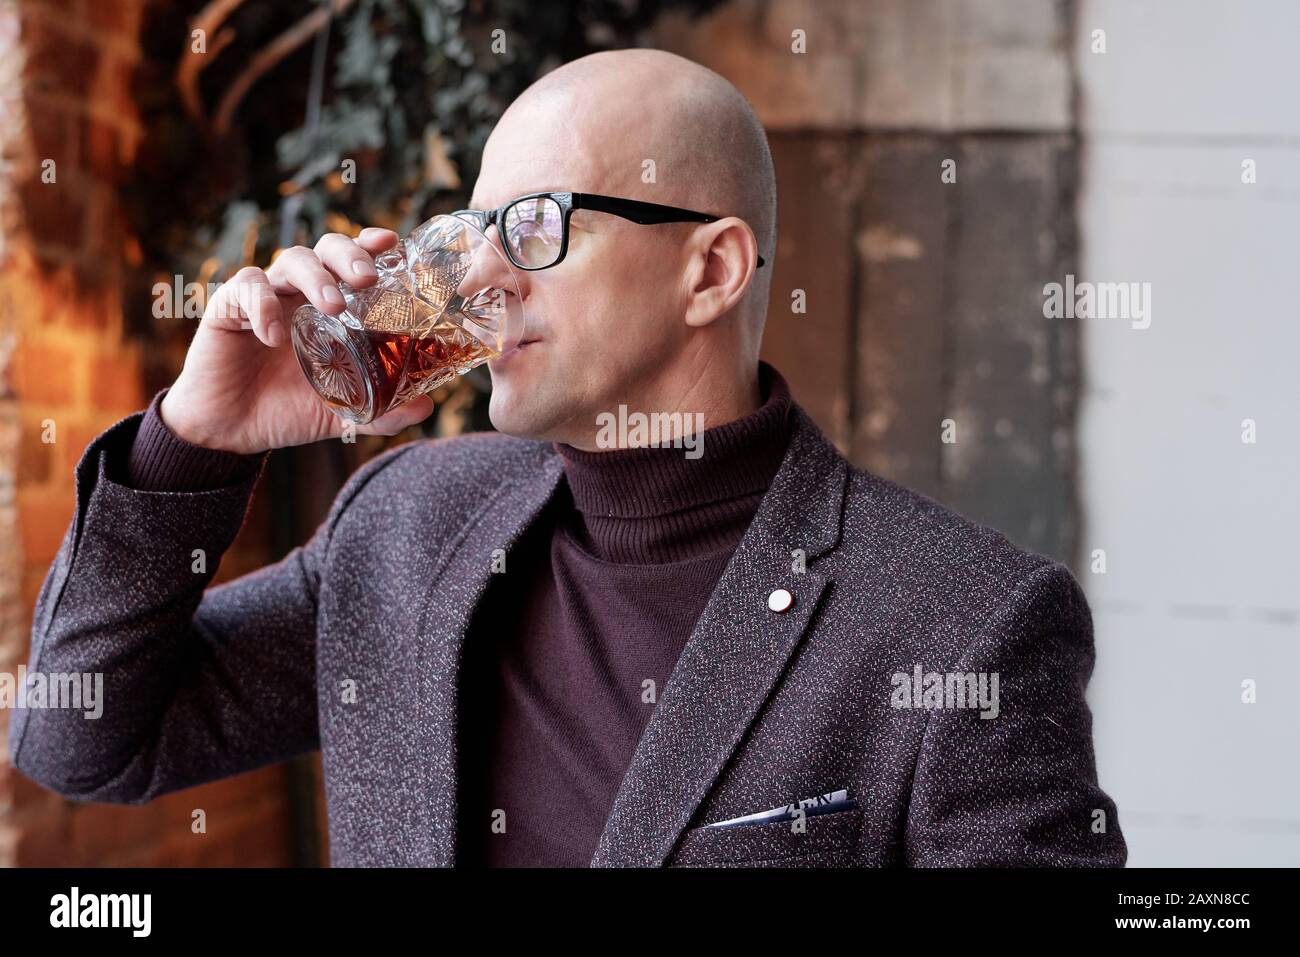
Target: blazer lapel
(457,579)
(734,656)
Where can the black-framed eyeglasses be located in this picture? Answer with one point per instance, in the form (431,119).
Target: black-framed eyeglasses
(535,228)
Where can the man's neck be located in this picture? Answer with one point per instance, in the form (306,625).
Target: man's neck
(674,410)
(652,505)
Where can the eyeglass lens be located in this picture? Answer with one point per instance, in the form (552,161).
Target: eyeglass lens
(534,231)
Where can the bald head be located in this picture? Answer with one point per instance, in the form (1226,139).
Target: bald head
(621,108)
(709,148)
(675,307)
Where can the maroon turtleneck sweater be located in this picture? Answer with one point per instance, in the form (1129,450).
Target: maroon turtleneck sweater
(562,671)
(570,650)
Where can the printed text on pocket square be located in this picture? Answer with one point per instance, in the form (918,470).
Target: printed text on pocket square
(953,690)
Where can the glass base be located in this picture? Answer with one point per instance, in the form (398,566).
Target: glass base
(330,359)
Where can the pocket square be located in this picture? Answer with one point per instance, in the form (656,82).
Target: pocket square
(827,803)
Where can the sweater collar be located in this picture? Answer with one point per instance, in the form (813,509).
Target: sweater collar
(737,459)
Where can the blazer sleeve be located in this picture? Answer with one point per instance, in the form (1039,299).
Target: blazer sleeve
(198,683)
(1019,789)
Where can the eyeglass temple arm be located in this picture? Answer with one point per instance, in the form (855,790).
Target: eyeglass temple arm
(645,214)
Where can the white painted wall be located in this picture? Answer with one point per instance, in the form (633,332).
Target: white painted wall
(1201,532)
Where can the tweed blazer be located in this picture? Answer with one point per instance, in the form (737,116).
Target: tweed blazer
(352,645)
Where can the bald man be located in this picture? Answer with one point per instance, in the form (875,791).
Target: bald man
(561,644)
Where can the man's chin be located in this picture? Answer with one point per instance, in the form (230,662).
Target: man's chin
(508,407)
(530,399)
(516,410)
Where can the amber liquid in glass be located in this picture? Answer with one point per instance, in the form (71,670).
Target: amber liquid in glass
(414,330)
(407,366)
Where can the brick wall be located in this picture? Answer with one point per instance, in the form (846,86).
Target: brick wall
(65,365)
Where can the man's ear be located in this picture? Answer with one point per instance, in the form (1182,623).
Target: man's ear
(724,256)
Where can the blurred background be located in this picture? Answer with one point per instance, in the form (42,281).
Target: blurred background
(939,163)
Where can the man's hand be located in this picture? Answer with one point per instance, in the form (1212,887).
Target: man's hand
(241,388)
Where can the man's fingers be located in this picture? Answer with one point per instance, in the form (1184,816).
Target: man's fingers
(346,259)
(298,271)
(248,300)
(262,300)
(375,239)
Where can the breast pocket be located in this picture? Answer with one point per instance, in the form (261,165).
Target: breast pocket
(827,841)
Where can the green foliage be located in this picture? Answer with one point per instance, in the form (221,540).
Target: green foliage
(413,88)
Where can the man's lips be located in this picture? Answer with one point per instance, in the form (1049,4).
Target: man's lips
(516,349)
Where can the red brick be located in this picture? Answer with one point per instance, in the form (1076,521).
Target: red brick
(8,846)
(88,308)
(55,59)
(35,800)
(259,834)
(42,521)
(42,841)
(260,837)
(33,578)
(7,775)
(101,239)
(72,442)
(234,794)
(51,129)
(25,796)
(43,375)
(55,219)
(119,19)
(248,819)
(35,458)
(115,383)
(101,151)
(101,831)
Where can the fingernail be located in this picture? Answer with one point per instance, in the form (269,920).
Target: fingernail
(332,295)
(364,267)
(275,332)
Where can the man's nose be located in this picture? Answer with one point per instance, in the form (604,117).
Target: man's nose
(489,267)
(504,308)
